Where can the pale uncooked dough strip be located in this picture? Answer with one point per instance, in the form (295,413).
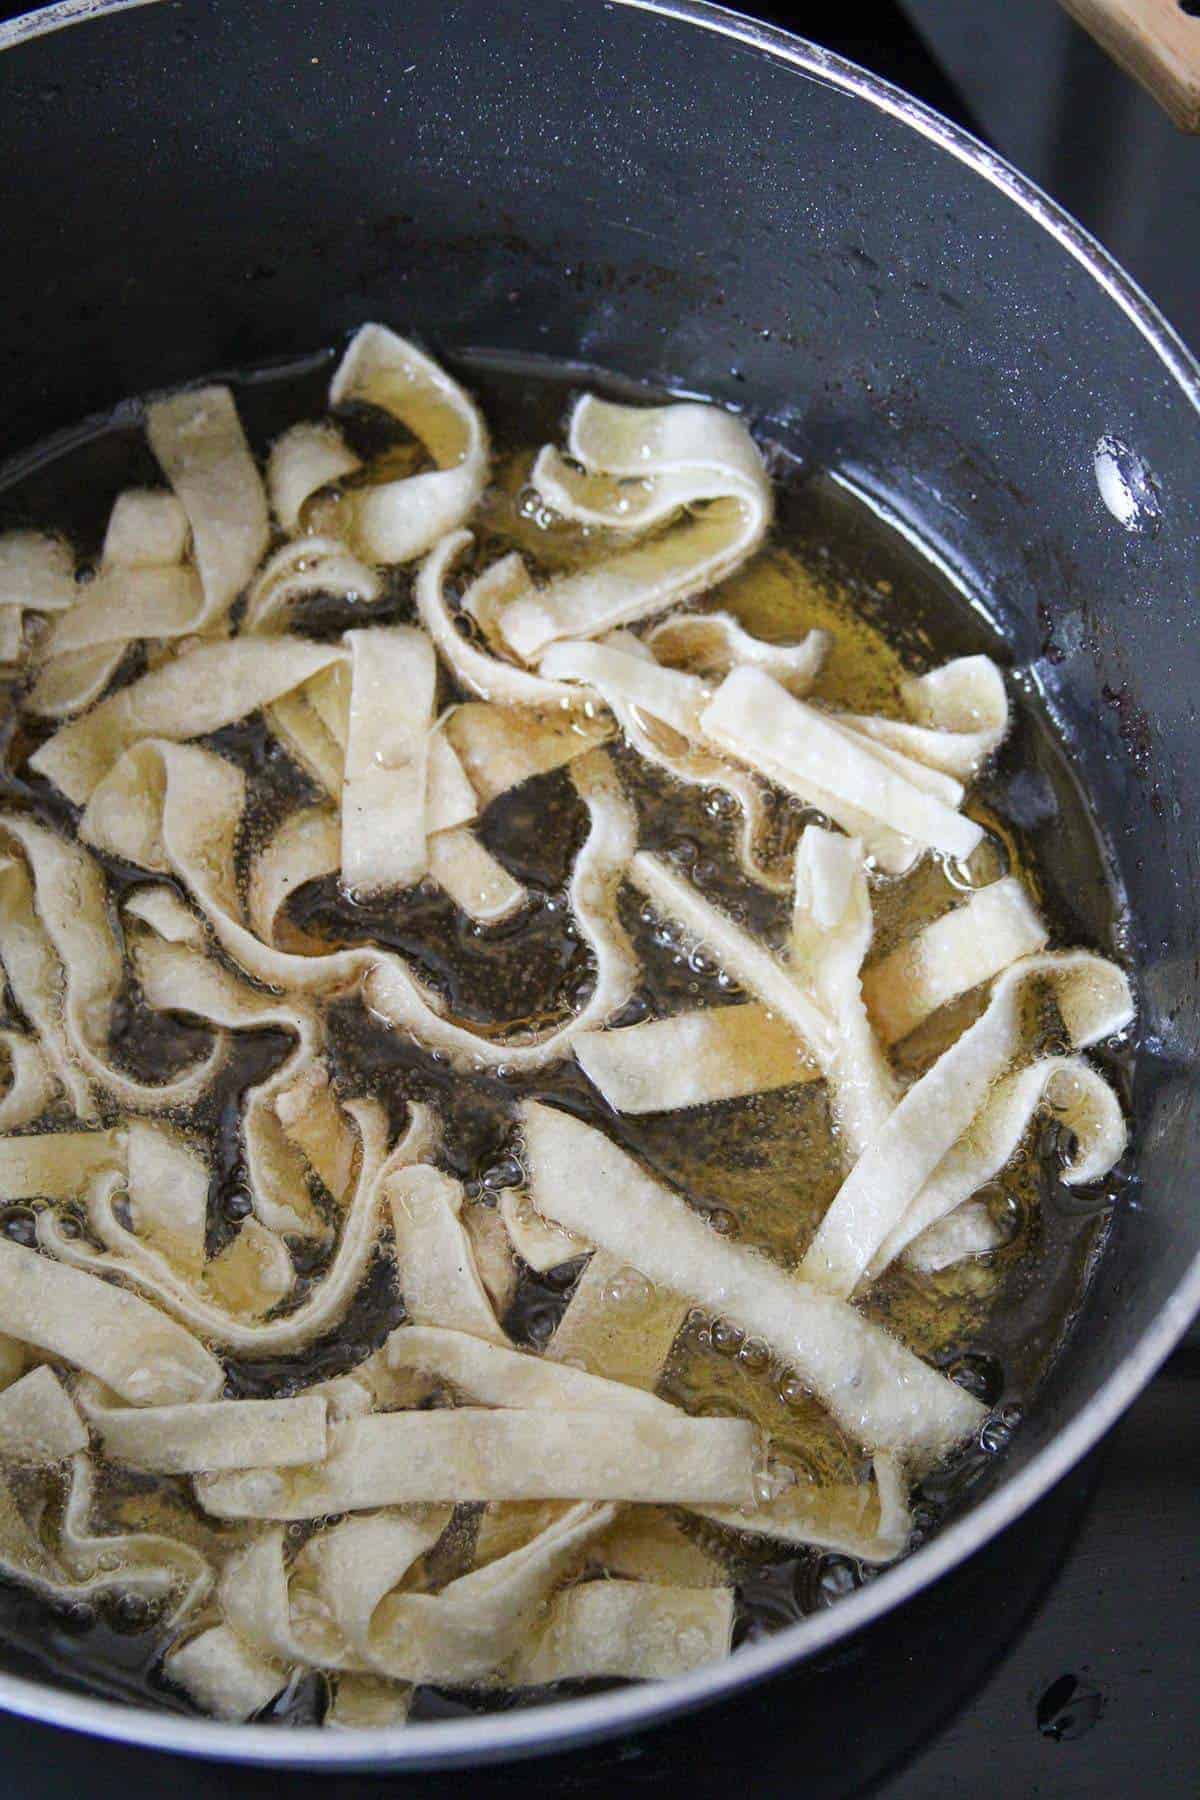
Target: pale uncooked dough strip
(481,673)
(478,884)
(494,1374)
(130,1346)
(806,752)
(208,1436)
(301,570)
(635,1630)
(38,1420)
(502,746)
(995,926)
(714,643)
(398,520)
(1094,1001)
(642,465)
(1085,1105)
(304,460)
(35,978)
(832,925)
(384,826)
(471,1453)
(211,686)
(749,962)
(198,439)
(439,1281)
(876,1389)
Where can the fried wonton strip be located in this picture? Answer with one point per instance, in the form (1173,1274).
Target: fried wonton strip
(868,1519)
(38,1420)
(832,927)
(396,521)
(749,962)
(965,947)
(31,1084)
(540,1245)
(223,1675)
(198,440)
(168,1192)
(472,1454)
(968,1232)
(497,1375)
(37,572)
(693,1058)
(131,1347)
(876,1389)
(329,1299)
(635,1630)
(392,993)
(64,962)
(1093,999)
(609,1330)
(960,713)
(450,798)
(623,677)
(714,643)
(304,460)
(366,1703)
(641,466)
(493,1255)
(481,673)
(439,1281)
(125,603)
(357,1564)
(806,752)
(204,1437)
(300,571)
(384,828)
(648,1543)
(477,883)
(502,746)
(1082,1100)
(210,686)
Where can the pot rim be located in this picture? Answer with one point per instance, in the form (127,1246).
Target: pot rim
(561,1725)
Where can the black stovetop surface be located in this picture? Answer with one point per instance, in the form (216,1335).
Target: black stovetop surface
(1063,1662)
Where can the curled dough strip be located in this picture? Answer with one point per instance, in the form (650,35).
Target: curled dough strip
(399,520)
(727,1052)
(176,809)
(500,747)
(498,1375)
(37,573)
(815,757)
(1083,1102)
(300,571)
(31,1082)
(641,467)
(463,1453)
(223,1675)
(67,971)
(1094,1001)
(304,460)
(876,1389)
(961,1235)
(130,1346)
(961,714)
(208,687)
(636,1630)
(152,1273)
(39,1422)
(714,643)
(384,824)
(487,676)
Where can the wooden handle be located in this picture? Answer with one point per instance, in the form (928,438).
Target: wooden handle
(1158,41)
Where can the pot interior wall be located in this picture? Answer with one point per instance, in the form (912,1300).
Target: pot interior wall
(192,187)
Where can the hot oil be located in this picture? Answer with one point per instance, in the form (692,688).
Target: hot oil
(763,1169)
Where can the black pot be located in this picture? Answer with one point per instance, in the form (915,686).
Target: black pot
(676,194)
